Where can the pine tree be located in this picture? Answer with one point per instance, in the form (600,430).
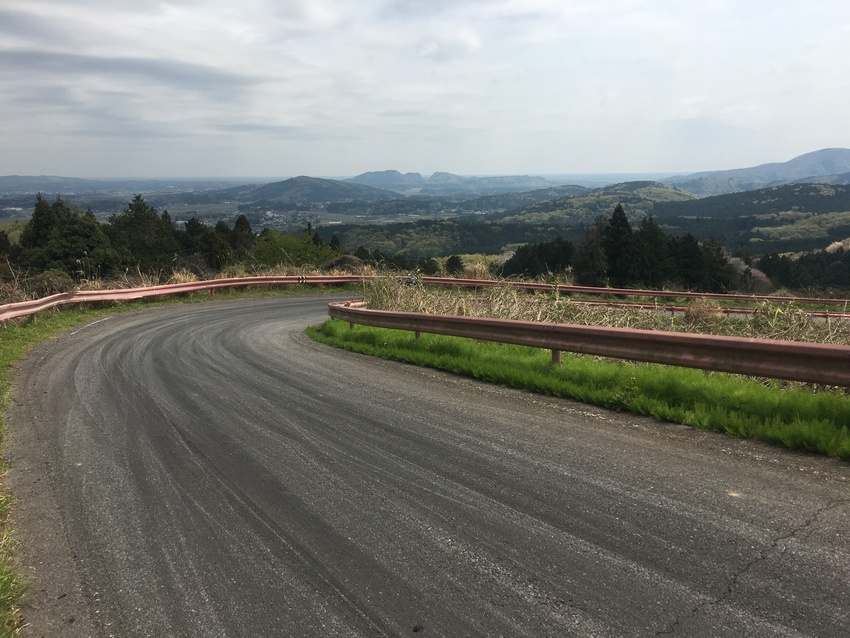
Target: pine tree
(143,239)
(654,266)
(620,249)
(590,262)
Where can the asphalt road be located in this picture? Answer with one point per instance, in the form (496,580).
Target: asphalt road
(207,470)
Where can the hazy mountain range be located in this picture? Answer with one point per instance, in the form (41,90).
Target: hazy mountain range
(831,166)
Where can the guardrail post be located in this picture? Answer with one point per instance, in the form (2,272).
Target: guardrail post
(417,334)
(556,357)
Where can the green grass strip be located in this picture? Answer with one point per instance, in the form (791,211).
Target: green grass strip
(797,418)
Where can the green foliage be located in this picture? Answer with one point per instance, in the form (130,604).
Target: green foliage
(428,266)
(454,265)
(63,239)
(143,239)
(823,270)
(799,419)
(591,263)
(655,265)
(620,250)
(535,260)
(48,282)
(296,249)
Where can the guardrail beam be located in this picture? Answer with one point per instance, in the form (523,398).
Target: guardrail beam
(795,361)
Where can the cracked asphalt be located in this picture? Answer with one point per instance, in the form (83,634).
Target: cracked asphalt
(207,470)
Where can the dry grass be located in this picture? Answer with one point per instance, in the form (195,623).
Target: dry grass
(476,270)
(768,321)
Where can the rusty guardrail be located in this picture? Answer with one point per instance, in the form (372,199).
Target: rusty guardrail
(790,360)
(631,292)
(27,308)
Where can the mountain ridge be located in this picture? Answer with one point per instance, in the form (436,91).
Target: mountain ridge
(809,167)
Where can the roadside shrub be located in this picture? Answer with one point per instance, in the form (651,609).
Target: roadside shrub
(47,283)
(11,293)
(702,312)
(476,270)
(346,263)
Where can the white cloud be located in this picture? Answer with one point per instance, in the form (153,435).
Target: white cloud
(335,87)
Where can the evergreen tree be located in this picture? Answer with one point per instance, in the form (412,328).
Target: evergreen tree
(590,262)
(60,238)
(214,246)
(655,266)
(428,266)
(142,238)
(454,265)
(45,217)
(620,249)
(242,239)
(534,260)
(719,274)
(525,261)
(690,263)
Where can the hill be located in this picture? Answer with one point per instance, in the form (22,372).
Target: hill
(840,179)
(313,190)
(543,220)
(787,218)
(809,167)
(390,180)
(637,198)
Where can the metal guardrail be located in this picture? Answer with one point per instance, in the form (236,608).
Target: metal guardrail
(629,292)
(27,308)
(808,362)
(790,360)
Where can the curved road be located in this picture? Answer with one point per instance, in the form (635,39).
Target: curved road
(206,470)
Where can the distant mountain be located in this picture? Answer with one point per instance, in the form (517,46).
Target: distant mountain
(442,183)
(307,190)
(842,179)
(390,180)
(810,167)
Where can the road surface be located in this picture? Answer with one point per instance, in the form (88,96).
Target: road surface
(207,470)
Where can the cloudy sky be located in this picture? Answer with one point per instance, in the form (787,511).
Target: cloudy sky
(144,88)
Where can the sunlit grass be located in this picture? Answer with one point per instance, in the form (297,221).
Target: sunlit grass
(797,418)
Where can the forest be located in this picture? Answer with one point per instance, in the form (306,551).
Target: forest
(61,246)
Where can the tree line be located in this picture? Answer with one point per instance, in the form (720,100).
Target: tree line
(612,253)
(821,270)
(66,241)
(73,244)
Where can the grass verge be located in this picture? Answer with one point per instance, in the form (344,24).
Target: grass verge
(797,418)
(17,338)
